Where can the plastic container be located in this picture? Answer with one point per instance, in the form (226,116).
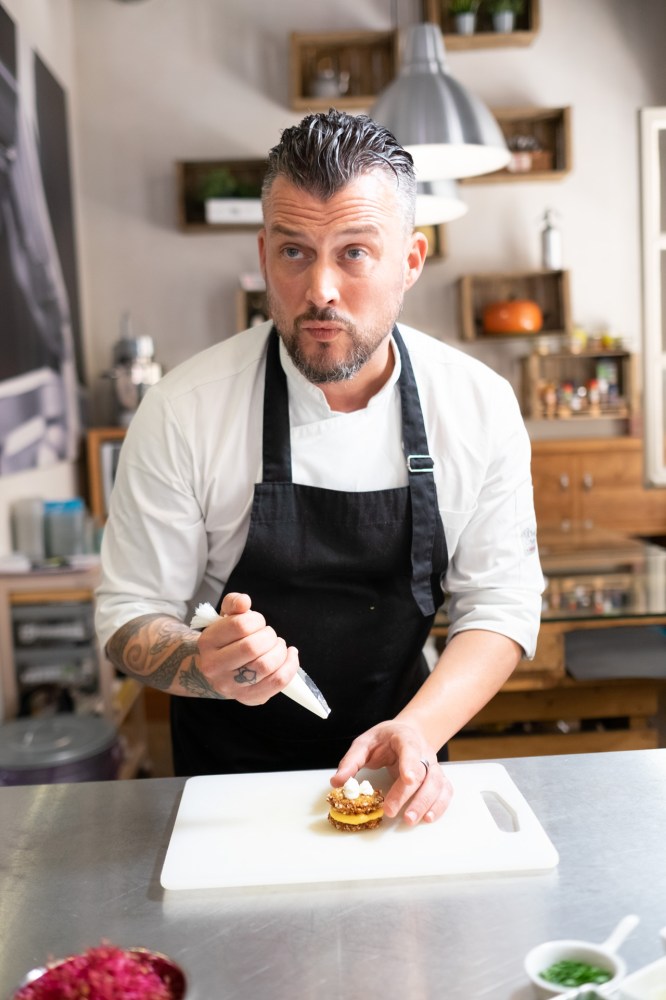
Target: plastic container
(27,521)
(64,527)
(58,749)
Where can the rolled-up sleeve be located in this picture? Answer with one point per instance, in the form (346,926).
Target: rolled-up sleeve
(494,580)
(154,546)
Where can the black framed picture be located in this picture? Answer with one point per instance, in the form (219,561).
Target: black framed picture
(40,336)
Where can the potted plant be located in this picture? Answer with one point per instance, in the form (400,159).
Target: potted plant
(228,198)
(504,13)
(463,13)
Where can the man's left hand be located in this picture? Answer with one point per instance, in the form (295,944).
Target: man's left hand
(423,790)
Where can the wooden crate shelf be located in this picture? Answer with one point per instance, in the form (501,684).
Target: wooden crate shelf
(527,27)
(549,289)
(547,128)
(544,376)
(369,57)
(191,175)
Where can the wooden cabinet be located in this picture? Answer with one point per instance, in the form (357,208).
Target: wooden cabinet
(346,69)
(549,289)
(596,484)
(527,26)
(540,144)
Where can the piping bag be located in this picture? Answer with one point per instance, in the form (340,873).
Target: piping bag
(301,688)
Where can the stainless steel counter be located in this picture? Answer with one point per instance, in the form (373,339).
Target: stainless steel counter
(82,862)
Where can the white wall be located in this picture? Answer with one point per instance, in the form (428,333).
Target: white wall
(161,80)
(47,26)
(156,81)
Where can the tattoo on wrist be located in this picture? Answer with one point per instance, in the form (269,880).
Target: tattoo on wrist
(196,683)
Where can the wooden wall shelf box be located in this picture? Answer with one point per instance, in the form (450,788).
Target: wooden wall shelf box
(191,175)
(542,372)
(549,289)
(527,27)
(550,128)
(369,57)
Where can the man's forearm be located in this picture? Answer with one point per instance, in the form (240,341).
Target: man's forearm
(470,671)
(161,652)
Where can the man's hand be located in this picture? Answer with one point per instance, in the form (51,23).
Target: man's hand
(242,657)
(238,657)
(397,746)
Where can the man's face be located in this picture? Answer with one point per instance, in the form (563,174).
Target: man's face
(336,272)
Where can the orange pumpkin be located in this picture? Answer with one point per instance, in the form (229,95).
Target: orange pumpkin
(512,316)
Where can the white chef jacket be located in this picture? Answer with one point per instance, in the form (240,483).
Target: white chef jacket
(180,506)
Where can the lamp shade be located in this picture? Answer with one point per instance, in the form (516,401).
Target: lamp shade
(437,202)
(449,132)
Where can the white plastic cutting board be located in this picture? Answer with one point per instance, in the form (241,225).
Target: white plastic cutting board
(271,829)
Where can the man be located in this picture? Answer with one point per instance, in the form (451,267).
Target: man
(322,480)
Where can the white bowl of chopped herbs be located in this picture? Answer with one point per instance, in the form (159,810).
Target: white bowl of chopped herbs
(558,967)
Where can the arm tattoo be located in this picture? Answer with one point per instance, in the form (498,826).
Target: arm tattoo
(152,649)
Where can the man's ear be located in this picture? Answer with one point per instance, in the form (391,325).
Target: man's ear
(416,256)
(261,243)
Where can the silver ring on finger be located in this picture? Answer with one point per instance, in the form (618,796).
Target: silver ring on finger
(426,764)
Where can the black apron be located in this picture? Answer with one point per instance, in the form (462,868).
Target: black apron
(351,579)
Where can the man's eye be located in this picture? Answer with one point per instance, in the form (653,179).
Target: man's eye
(356,253)
(292,253)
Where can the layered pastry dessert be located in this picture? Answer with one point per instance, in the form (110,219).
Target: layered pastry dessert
(355,807)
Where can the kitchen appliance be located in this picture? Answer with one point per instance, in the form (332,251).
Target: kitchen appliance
(134,371)
(57,750)
(272,829)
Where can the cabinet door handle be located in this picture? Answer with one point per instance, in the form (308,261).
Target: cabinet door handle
(564,481)
(588,481)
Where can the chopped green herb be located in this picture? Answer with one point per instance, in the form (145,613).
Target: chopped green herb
(571,973)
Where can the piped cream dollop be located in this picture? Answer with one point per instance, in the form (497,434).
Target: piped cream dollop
(351,788)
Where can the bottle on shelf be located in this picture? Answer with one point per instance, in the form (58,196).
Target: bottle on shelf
(551,243)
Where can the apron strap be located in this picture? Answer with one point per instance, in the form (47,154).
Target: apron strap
(277,442)
(423,492)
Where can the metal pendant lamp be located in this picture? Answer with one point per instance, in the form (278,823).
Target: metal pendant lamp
(449,132)
(437,202)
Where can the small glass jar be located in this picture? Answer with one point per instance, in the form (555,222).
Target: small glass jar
(64,527)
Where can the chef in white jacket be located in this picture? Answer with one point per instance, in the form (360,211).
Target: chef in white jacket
(325,479)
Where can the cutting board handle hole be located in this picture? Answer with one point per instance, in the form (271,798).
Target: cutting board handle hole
(504,816)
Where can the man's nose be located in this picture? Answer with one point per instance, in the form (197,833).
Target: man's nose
(323,285)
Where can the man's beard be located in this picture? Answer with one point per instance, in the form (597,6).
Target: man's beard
(322,369)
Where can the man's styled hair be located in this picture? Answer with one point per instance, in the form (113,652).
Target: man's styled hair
(326,151)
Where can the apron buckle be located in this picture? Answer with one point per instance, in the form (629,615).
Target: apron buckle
(420,463)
